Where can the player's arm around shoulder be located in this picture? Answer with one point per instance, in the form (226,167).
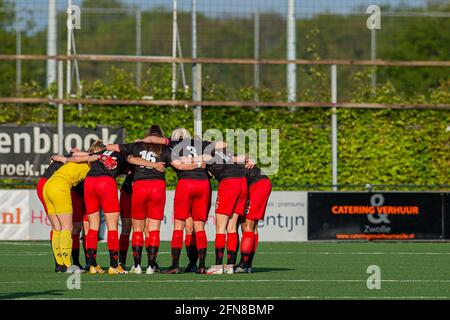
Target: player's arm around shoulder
(185,166)
(83,158)
(113,147)
(160,166)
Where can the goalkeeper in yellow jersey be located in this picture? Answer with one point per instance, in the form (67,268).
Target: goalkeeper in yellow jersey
(58,200)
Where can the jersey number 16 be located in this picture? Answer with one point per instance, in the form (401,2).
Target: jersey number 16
(148,155)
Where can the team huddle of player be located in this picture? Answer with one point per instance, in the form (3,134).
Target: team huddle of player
(77,186)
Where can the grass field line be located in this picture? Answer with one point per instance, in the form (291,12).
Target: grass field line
(31,253)
(238,281)
(250,298)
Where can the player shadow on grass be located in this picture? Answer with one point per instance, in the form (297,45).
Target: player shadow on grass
(22,295)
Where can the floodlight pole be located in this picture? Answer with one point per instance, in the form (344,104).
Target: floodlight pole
(18,52)
(256,69)
(69,49)
(138,46)
(373,56)
(51,42)
(196,74)
(334,129)
(60,108)
(174,49)
(291,52)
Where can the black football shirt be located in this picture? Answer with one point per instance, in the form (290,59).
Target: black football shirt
(145,151)
(254,175)
(127,185)
(222,166)
(98,169)
(53,167)
(190,148)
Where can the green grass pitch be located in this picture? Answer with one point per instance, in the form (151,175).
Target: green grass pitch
(282,271)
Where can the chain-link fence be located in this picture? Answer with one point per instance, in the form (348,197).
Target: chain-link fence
(233,29)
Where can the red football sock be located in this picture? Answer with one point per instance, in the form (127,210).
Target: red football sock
(92,239)
(137,242)
(75,241)
(113,240)
(188,239)
(176,245)
(220,247)
(152,242)
(124,242)
(220,240)
(232,240)
(202,244)
(247,242)
(255,242)
(177,239)
(137,239)
(201,241)
(153,239)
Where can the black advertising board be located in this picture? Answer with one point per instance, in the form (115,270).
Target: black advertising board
(25,151)
(446,200)
(375,216)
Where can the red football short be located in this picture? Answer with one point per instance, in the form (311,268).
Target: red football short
(231,196)
(192,198)
(40,192)
(101,192)
(78,206)
(125,205)
(258,195)
(148,199)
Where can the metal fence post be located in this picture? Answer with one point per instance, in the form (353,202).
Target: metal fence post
(60,108)
(334,129)
(291,52)
(196,73)
(69,50)
(18,52)
(174,48)
(51,42)
(197,96)
(256,70)
(138,46)
(373,56)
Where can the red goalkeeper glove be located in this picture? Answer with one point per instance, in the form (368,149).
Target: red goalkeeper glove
(108,162)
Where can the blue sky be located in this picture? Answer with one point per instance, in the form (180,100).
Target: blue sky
(304,7)
(222,8)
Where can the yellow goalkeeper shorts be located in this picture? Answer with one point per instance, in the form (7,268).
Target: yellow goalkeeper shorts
(57,196)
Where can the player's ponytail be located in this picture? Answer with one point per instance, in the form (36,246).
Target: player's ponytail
(96,146)
(180,134)
(157,131)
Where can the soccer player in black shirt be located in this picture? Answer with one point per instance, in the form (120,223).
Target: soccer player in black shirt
(192,194)
(125,215)
(100,192)
(230,204)
(78,218)
(149,194)
(259,189)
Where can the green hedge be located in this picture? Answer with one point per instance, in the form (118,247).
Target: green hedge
(375,146)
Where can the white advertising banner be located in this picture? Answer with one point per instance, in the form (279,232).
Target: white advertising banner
(285,220)
(39,223)
(14,215)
